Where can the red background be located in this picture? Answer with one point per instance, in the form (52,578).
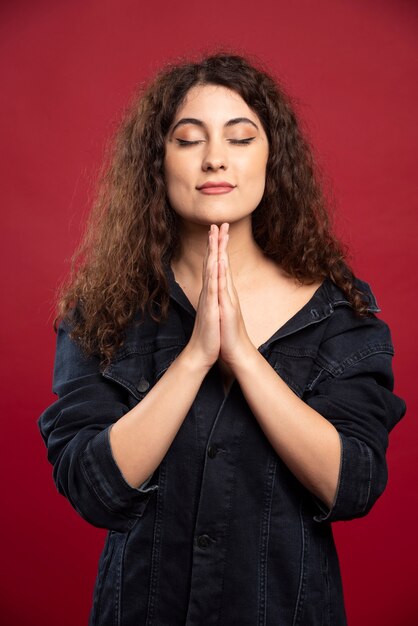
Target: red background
(67,71)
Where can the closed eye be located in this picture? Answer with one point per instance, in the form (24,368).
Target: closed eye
(183,142)
(241,142)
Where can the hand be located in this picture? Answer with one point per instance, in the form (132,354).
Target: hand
(234,339)
(205,339)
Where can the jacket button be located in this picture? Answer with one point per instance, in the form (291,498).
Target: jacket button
(203,541)
(212,452)
(143,384)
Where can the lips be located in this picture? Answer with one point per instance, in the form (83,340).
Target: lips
(213,188)
(212,184)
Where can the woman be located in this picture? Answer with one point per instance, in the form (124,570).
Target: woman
(224,386)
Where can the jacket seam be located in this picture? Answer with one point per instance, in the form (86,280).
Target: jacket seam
(326,515)
(143,349)
(109,374)
(369,485)
(264,543)
(228,527)
(95,491)
(357,357)
(107,556)
(302,577)
(154,570)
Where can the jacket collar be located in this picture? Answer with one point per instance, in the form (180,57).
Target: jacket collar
(320,306)
(177,293)
(324,301)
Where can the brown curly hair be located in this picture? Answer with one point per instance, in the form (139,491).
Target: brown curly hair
(132,232)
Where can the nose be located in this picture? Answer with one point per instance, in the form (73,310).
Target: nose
(215,157)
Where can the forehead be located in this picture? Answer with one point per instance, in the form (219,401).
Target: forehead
(214,103)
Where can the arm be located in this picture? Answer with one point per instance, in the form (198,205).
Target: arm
(101,451)
(141,438)
(335,442)
(307,442)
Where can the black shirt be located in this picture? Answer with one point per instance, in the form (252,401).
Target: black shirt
(223,533)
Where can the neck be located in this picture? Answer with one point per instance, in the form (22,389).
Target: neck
(243,252)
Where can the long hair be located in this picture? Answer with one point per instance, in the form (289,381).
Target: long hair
(132,232)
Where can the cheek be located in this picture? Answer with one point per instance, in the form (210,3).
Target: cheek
(256,179)
(176,172)
(255,164)
(177,187)
(169,168)
(256,172)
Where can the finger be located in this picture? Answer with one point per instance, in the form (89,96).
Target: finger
(226,231)
(212,254)
(206,271)
(223,240)
(214,238)
(213,282)
(224,296)
(228,276)
(210,287)
(223,249)
(207,252)
(215,235)
(225,228)
(225,285)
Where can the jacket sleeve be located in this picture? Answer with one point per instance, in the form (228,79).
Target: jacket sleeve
(357,398)
(75,429)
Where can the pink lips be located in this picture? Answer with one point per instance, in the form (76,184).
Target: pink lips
(212,188)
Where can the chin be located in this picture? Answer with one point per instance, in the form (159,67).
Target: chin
(219,219)
(215,215)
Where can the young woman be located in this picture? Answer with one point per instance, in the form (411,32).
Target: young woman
(224,386)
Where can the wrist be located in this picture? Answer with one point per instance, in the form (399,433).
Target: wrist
(243,357)
(195,361)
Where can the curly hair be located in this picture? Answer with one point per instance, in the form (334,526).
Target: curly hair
(132,232)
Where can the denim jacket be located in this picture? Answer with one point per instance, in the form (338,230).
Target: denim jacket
(223,533)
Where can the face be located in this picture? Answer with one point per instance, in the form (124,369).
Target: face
(215,138)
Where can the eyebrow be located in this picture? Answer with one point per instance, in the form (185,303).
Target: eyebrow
(196,122)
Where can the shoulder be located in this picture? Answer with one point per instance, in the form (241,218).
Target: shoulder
(336,296)
(348,337)
(148,348)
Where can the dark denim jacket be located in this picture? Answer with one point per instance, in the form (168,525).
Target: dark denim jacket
(223,533)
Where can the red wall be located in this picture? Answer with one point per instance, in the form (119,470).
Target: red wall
(67,70)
